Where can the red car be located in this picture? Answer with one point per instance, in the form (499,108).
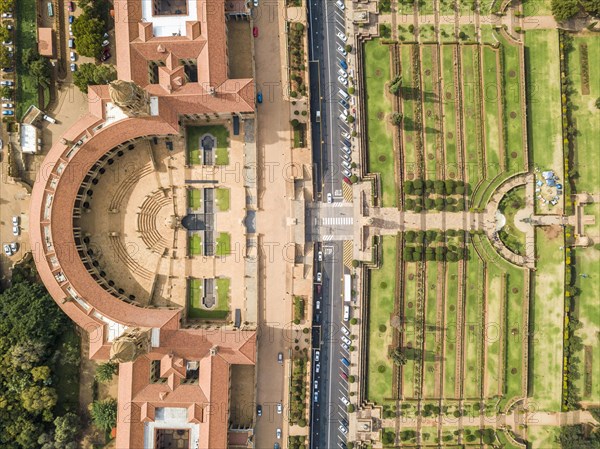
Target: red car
(71,6)
(255,31)
(347,180)
(344,375)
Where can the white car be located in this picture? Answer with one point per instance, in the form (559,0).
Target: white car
(105,43)
(345,331)
(341,36)
(73,67)
(329,198)
(346,135)
(6,15)
(341,50)
(343,429)
(346,340)
(70,30)
(346,172)
(340,4)
(14,247)
(319,276)
(346,157)
(343,81)
(318,305)
(317,368)
(320,256)
(345,347)
(16,220)
(317,355)
(7,250)
(316,384)
(345,401)
(278,433)
(8,105)
(7,43)
(73,56)
(346,150)
(279,408)
(16,230)
(342,73)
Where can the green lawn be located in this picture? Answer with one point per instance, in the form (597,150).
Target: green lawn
(410,304)
(471,113)
(25,37)
(543,437)
(473,332)
(195,244)
(585,113)
(195,133)
(378,107)
(543,97)
(537,7)
(194,198)
(431,349)
(381,306)
(430,109)
(223,244)
(495,308)
(223,199)
(451,315)
(409,95)
(547,316)
(221,309)
(449,101)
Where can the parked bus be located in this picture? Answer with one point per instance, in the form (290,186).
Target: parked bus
(50,9)
(347,288)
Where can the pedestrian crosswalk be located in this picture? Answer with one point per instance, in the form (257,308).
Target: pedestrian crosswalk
(328,221)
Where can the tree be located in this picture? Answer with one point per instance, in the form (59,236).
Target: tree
(598,103)
(398,357)
(27,353)
(564,9)
(348,48)
(91,74)
(6,92)
(36,399)
(66,429)
(7,5)
(104,413)
(396,118)
(592,7)
(4,59)
(5,35)
(40,70)
(88,32)
(41,373)
(106,371)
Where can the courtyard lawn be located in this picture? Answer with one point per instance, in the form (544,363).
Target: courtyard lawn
(510,234)
(195,244)
(587,261)
(195,298)
(195,133)
(449,102)
(585,113)
(543,98)
(514,333)
(223,287)
(223,244)
(378,108)
(27,92)
(546,350)
(474,298)
(381,306)
(537,8)
(430,109)
(543,437)
(411,158)
(513,107)
(494,325)
(451,316)
(471,114)
(223,199)
(410,304)
(194,198)
(430,374)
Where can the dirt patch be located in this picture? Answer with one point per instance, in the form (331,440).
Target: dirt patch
(409,139)
(551,232)
(380,115)
(515,290)
(427,72)
(449,135)
(452,175)
(410,176)
(382,158)
(430,156)
(452,308)
(513,371)
(409,345)
(411,277)
(378,73)
(448,95)
(242,394)
(429,112)
(512,73)
(450,345)
(513,155)
(513,114)
(409,305)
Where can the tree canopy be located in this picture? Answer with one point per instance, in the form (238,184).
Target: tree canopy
(88,32)
(565,9)
(92,74)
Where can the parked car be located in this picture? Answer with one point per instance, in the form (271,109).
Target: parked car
(16,220)
(346,156)
(255,31)
(343,80)
(280,358)
(7,250)
(105,56)
(16,230)
(345,331)
(8,112)
(8,69)
(329,198)
(279,408)
(345,347)
(259,410)
(320,256)
(71,43)
(319,276)
(344,375)
(8,105)
(340,4)
(317,356)
(341,50)
(259,97)
(7,43)
(345,401)
(6,15)
(343,429)
(342,73)
(317,368)
(72,56)
(73,67)
(347,180)
(278,433)
(14,247)
(346,135)
(7,83)
(70,30)
(346,172)
(105,43)
(71,6)
(341,36)
(71,19)
(343,64)
(9,27)
(346,340)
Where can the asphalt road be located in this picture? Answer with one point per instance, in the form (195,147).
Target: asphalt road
(327,409)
